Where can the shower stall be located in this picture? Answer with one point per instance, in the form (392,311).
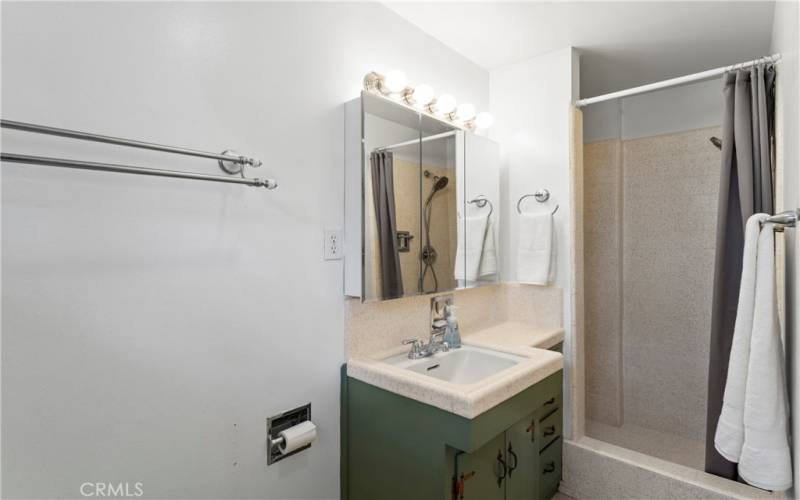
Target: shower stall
(651,181)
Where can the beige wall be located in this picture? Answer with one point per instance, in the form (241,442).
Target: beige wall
(603,280)
(374,327)
(658,225)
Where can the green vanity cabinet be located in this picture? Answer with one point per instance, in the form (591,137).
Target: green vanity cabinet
(481,473)
(522,455)
(395,447)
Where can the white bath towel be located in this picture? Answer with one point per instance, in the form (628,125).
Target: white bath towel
(536,249)
(752,428)
(766,461)
(470,247)
(729,437)
(488,265)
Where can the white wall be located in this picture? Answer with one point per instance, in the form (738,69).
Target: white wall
(531,102)
(688,107)
(785,40)
(151,325)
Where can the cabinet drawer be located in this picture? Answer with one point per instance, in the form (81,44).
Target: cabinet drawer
(550,470)
(550,429)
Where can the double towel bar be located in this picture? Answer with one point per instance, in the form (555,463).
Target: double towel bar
(229,161)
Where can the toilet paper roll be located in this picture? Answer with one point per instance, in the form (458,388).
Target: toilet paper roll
(297,436)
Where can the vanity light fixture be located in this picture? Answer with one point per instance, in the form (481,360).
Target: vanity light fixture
(444,105)
(394,82)
(421,97)
(465,112)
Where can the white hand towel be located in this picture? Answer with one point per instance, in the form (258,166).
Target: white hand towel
(536,249)
(470,249)
(729,436)
(766,461)
(488,265)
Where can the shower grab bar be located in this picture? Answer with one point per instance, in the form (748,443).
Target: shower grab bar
(228,160)
(127,169)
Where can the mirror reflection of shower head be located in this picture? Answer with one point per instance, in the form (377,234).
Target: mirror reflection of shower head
(440,183)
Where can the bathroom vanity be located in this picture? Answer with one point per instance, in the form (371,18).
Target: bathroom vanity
(482,422)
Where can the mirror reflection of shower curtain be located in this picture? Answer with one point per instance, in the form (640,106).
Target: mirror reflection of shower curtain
(382,170)
(746,187)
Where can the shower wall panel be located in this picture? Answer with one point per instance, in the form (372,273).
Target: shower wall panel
(669,219)
(603,280)
(649,226)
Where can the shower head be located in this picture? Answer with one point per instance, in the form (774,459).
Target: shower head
(717,142)
(440,183)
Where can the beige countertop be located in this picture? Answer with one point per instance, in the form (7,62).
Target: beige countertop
(470,400)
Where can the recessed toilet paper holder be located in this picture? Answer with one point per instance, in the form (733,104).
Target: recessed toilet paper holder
(279,423)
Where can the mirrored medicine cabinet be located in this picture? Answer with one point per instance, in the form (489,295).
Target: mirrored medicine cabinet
(421,203)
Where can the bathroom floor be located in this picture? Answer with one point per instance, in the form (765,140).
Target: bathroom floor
(671,447)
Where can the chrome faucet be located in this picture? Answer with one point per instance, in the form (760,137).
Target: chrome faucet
(436,342)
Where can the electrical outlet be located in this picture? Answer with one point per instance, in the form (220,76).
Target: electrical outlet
(334,246)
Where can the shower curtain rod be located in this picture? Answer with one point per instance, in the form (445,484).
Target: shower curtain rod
(673,82)
(416,141)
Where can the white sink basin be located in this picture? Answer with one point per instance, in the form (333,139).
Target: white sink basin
(465,365)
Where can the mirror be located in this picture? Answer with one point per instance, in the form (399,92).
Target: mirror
(410,173)
(482,211)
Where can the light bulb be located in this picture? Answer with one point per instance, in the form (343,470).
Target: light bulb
(465,111)
(484,120)
(422,95)
(445,104)
(395,81)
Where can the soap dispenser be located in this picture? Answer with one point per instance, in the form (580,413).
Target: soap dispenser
(452,335)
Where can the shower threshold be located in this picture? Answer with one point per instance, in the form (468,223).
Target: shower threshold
(666,446)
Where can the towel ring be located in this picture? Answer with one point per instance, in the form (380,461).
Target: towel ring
(541,196)
(480,201)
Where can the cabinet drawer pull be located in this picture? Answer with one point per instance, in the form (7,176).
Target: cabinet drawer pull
(550,430)
(514,456)
(550,467)
(549,401)
(503,468)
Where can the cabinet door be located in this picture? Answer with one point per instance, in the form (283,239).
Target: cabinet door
(482,475)
(522,455)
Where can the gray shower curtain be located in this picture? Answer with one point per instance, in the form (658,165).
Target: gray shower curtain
(746,187)
(382,171)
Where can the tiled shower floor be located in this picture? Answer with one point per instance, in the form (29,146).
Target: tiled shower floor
(676,449)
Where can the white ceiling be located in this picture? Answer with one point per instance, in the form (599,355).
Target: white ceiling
(623,44)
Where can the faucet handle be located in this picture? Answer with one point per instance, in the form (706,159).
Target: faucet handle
(416,348)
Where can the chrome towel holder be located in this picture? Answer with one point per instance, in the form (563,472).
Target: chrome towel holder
(480,201)
(783,219)
(541,196)
(229,161)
